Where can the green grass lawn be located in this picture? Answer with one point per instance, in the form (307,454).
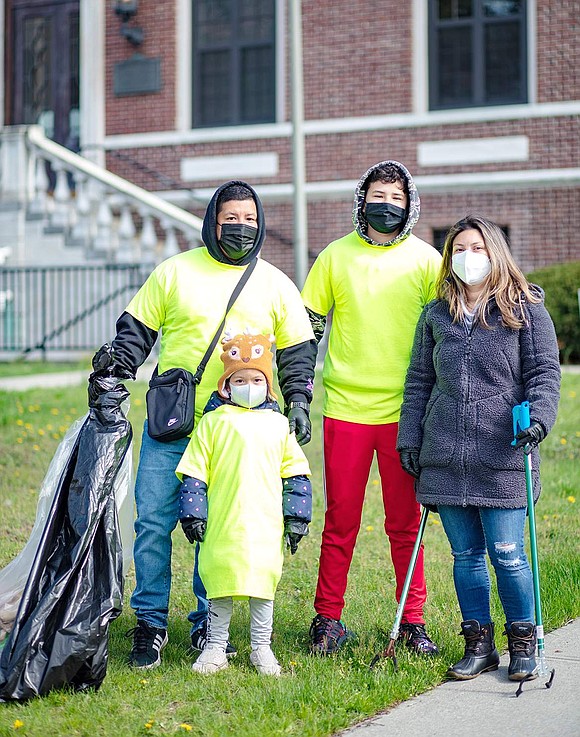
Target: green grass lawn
(315,696)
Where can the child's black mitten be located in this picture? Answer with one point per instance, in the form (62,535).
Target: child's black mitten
(194,529)
(294,531)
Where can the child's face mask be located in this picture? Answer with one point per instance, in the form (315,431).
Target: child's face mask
(249,395)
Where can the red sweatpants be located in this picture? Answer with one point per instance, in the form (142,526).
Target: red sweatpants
(348,454)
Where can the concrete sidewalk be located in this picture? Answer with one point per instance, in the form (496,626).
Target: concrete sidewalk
(486,706)
(64,378)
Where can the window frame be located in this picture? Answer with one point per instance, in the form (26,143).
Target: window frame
(478,22)
(235,49)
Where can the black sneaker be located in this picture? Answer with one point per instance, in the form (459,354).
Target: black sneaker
(417,639)
(199,641)
(327,635)
(148,642)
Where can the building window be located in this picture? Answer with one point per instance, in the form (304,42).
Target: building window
(234,65)
(477,53)
(439,235)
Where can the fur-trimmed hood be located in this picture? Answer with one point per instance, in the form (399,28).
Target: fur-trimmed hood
(413,208)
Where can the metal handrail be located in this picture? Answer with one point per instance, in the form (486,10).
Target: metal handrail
(181,218)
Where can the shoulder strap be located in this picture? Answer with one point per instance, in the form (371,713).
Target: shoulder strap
(235,294)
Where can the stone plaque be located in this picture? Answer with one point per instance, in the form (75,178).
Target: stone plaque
(138,75)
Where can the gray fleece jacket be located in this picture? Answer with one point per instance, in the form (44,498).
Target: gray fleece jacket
(457,409)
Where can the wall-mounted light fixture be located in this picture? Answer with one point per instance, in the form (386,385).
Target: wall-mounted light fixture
(126,9)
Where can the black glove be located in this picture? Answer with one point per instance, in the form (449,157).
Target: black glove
(105,365)
(410,462)
(294,531)
(299,422)
(194,529)
(530,437)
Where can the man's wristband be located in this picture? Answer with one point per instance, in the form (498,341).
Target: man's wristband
(302,405)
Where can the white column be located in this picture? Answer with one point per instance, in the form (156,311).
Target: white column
(298,151)
(92,78)
(14,164)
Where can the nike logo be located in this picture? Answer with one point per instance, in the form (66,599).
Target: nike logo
(172,421)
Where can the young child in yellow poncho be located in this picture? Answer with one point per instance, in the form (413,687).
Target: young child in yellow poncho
(245,490)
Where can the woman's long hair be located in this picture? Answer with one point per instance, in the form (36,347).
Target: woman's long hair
(506,282)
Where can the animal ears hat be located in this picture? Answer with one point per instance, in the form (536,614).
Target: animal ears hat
(246,350)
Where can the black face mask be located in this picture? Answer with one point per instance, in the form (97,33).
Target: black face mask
(383,217)
(237,240)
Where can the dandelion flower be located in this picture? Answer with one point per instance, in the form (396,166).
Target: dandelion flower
(54,411)
(41,431)
(17,724)
(35,447)
(563,441)
(369,528)
(19,422)
(19,440)
(375,482)
(572,499)
(144,681)
(186,727)
(148,725)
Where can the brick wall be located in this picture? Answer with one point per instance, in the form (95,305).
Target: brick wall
(357,61)
(543,224)
(142,113)
(558,71)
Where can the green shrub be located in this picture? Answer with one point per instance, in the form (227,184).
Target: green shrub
(561,283)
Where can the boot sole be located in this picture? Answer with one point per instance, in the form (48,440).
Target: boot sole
(523,676)
(460,677)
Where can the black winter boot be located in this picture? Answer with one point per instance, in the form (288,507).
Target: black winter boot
(480,654)
(522,645)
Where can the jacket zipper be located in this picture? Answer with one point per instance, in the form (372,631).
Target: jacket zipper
(465,413)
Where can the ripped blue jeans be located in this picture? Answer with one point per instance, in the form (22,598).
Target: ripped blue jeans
(471,532)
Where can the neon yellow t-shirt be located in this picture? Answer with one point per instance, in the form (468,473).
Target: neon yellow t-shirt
(186,297)
(242,455)
(377,294)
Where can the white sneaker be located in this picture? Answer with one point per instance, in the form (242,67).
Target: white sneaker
(264,661)
(211,660)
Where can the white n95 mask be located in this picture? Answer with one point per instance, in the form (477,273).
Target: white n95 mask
(249,395)
(471,267)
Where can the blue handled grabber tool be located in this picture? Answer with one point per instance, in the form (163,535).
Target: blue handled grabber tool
(521,421)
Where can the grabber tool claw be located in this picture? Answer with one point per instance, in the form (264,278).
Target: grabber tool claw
(389,651)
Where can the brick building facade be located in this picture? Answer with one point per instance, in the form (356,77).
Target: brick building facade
(378,78)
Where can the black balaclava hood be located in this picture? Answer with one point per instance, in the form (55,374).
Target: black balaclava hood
(208,234)
(413,208)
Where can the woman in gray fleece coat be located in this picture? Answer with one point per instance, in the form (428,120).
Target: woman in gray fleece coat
(486,344)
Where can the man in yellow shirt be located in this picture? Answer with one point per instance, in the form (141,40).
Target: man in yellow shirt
(376,281)
(185,299)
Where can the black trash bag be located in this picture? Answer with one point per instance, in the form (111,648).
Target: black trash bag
(75,587)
